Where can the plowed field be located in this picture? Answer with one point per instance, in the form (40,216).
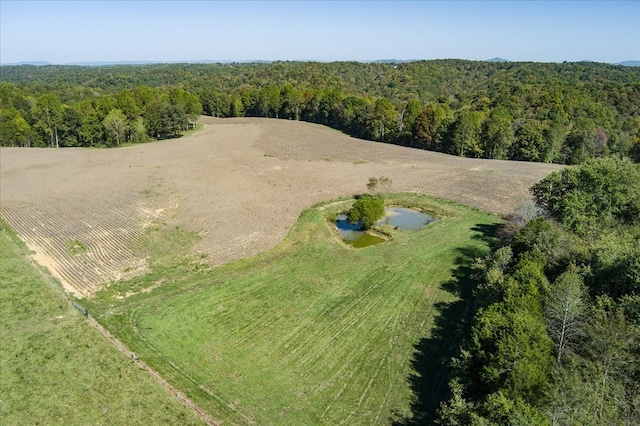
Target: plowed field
(240,183)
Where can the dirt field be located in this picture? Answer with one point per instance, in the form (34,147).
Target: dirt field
(241,183)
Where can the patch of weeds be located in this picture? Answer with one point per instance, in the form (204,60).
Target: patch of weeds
(383,182)
(165,245)
(75,247)
(152,192)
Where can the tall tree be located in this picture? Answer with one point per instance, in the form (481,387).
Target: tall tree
(580,141)
(48,115)
(407,118)
(498,133)
(530,144)
(467,134)
(138,131)
(555,134)
(611,339)
(14,130)
(600,142)
(91,129)
(565,312)
(125,102)
(192,108)
(424,128)
(214,103)
(353,114)
(444,118)
(328,101)
(185,105)
(70,128)
(291,101)
(116,125)
(269,101)
(236,106)
(162,119)
(383,119)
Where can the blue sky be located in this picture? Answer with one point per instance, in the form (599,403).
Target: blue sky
(544,31)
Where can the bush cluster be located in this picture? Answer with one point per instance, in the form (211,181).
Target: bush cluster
(366,211)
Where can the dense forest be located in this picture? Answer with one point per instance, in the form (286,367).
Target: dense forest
(563,113)
(555,338)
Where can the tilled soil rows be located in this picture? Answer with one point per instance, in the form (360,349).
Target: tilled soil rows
(240,183)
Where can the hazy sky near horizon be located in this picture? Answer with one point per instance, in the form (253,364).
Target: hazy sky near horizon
(168,31)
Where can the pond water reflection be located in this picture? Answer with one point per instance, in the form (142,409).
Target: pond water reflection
(404,218)
(396,217)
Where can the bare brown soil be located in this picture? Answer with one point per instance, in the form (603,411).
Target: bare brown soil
(241,183)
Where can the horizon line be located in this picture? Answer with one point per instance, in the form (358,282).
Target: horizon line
(635,62)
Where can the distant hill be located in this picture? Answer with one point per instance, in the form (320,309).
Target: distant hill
(34,63)
(629,63)
(111,63)
(391,61)
(633,63)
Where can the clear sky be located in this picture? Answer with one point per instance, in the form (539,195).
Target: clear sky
(167,31)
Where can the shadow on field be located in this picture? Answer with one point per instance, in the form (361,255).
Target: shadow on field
(432,357)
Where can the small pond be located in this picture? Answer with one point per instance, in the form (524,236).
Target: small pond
(404,218)
(353,234)
(396,217)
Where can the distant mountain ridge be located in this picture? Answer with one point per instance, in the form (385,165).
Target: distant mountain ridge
(110,63)
(630,63)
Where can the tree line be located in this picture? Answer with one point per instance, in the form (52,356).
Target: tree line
(563,113)
(555,338)
(128,116)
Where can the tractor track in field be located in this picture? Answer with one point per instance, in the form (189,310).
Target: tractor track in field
(239,183)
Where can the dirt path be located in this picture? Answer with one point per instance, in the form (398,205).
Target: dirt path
(203,415)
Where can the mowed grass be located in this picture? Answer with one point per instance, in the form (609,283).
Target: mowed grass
(312,332)
(55,369)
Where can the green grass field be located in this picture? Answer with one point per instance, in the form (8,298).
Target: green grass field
(311,332)
(55,369)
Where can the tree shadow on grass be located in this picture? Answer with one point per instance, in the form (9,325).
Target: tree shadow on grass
(432,357)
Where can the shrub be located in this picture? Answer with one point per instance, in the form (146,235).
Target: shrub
(366,211)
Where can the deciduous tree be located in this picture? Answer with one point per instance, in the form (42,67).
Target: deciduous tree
(14,130)
(366,211)
(597,192)
(498,133)
(383,120)
(530,144)
(116,126)
(467,134)
(565,312)
(48,115)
